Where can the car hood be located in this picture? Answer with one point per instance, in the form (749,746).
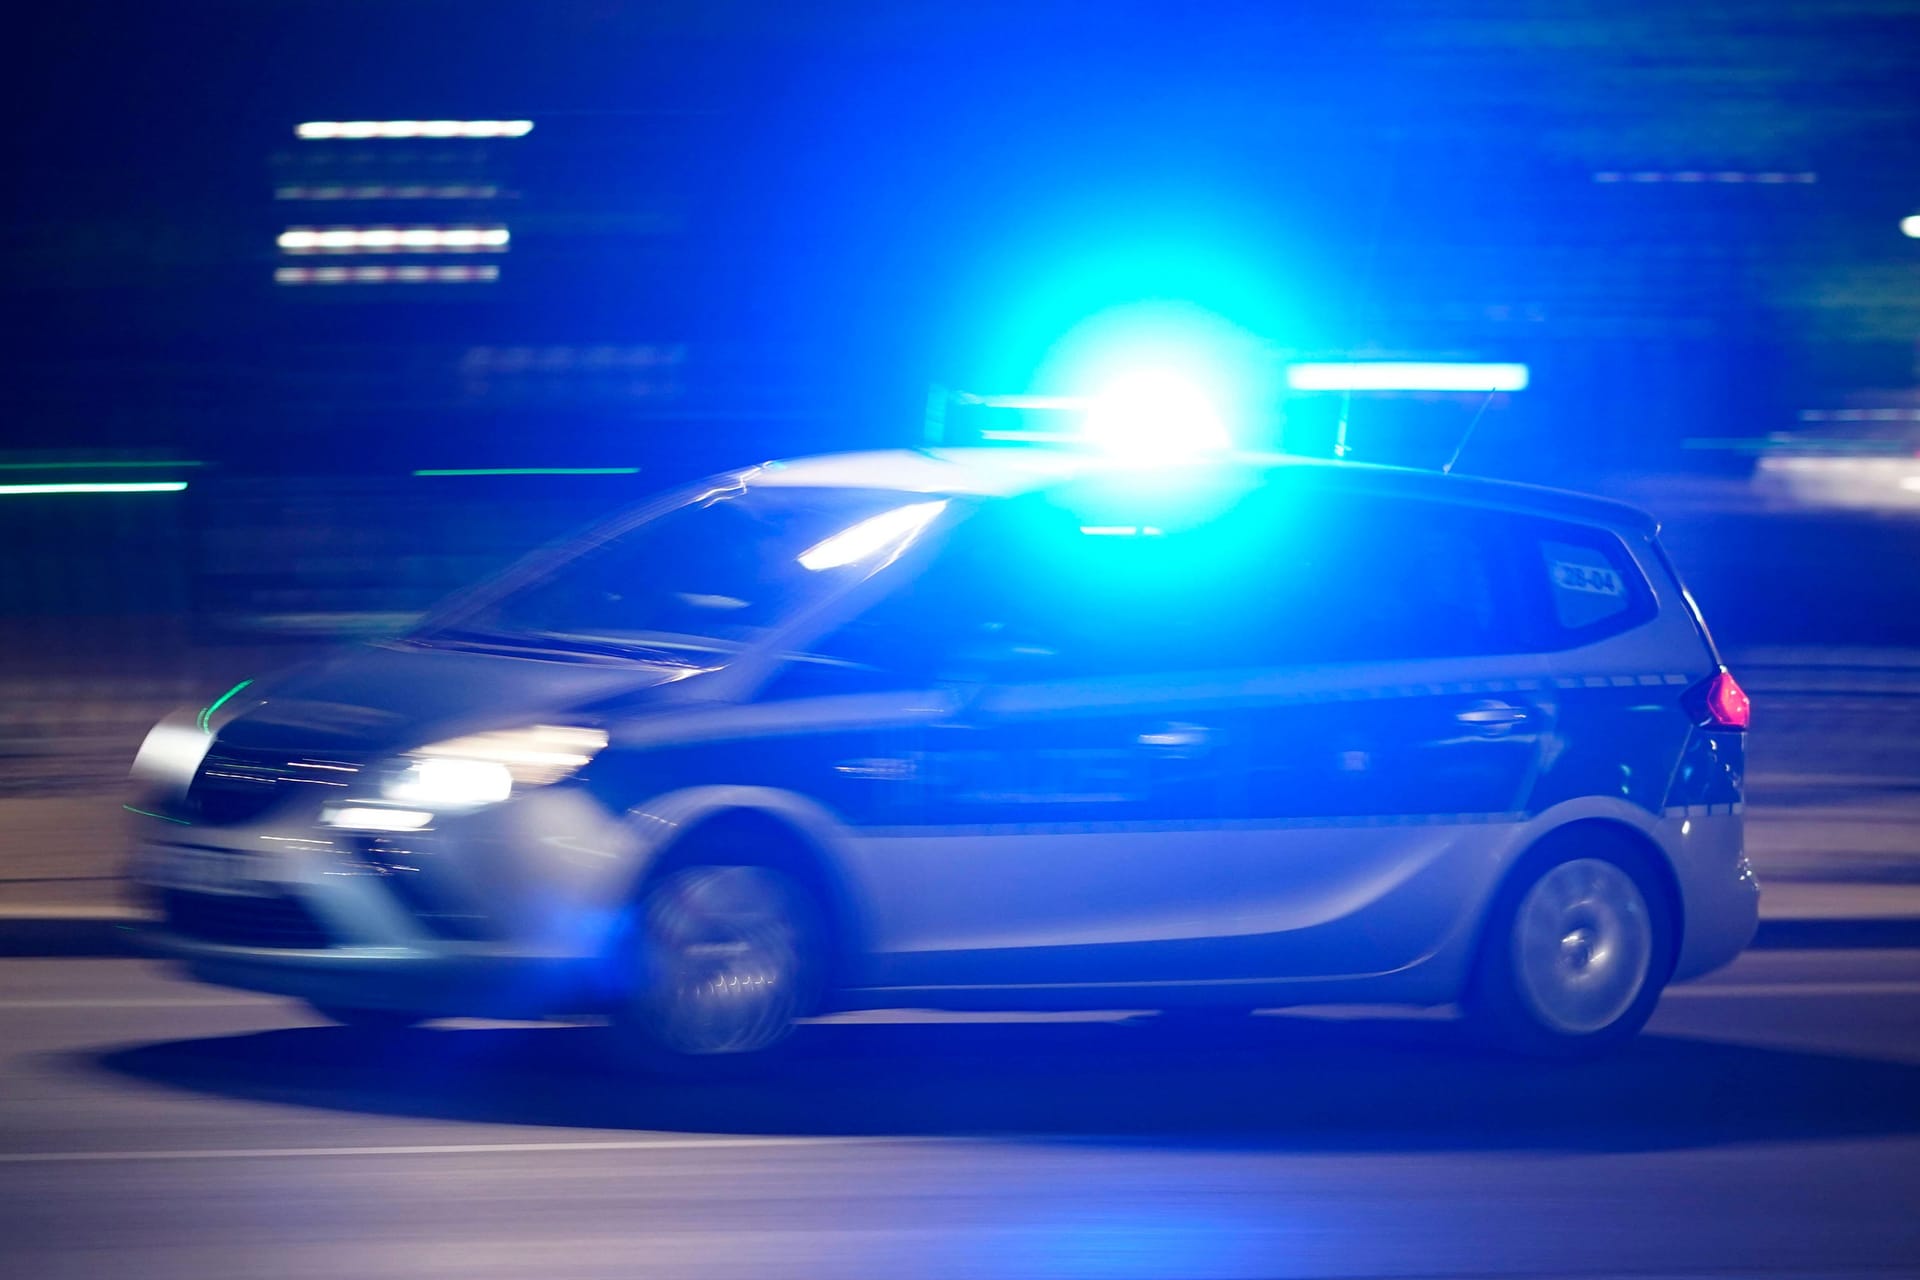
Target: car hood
(393,697)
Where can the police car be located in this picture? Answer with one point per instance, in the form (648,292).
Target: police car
(992,729)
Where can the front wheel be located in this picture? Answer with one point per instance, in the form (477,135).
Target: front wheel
(723,960)
(1577,951)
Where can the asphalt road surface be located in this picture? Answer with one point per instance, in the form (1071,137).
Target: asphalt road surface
(1767,1125)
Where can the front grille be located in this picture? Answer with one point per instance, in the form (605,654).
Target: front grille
(277,921)
(240,784)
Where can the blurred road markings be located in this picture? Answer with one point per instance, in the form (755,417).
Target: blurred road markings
(449,1149)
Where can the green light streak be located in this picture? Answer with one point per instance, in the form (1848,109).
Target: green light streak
(530,471)
(137,486)
(98,465)
(148,813)
(207,714)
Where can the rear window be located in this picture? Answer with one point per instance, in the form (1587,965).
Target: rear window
(1593,587)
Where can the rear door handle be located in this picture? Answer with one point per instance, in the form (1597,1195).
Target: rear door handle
(1176,737)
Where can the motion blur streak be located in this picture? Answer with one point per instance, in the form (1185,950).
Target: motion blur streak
(318,129)
(129,486)
(339,192)
(385,275)
(528,471)
(383,239)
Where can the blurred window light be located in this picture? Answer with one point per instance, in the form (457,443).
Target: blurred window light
(1385,375)
(386,275)
(322,129)
(416,191)
(129,486)
(1910,225)
(490,239)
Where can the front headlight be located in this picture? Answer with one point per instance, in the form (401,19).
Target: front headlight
(484,768)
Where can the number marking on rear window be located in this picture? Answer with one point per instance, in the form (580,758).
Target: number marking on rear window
(1587,577)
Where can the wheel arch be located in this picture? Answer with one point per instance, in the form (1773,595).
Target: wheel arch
(1621,837)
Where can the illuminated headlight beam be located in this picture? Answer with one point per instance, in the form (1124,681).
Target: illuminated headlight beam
(322,129)
(1910,226)
(395,239)
(1385,375)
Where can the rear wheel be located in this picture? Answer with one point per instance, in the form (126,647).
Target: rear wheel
(1577,951)
(724,958)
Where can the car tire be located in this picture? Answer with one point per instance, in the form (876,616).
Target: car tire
(1577,949)
(372,1021)
(722,958)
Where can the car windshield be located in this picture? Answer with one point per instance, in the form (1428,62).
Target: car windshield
(711,574)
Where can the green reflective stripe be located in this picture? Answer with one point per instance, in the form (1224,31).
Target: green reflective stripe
(207,713)
(148,813)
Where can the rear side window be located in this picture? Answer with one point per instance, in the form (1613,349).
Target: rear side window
(1592,586)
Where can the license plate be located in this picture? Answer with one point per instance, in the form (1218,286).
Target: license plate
(205,871)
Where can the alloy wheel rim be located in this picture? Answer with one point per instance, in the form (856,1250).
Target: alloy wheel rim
(1582,945)
(721,957)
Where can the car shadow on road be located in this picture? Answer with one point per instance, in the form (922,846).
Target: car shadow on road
(1266,1082)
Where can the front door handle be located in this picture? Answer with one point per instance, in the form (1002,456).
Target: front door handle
(1492,717)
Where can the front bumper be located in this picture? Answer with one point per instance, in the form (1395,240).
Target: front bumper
(472,982)
(512,911)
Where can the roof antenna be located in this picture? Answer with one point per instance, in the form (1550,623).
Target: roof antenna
(1464,435)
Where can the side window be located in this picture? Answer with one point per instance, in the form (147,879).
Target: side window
(1406,581)
(1283,579)
(1026,592)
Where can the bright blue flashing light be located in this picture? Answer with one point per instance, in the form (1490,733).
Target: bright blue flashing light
(1155,413)
(1391,375)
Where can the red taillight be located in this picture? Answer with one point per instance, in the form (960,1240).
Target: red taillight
(1728,706)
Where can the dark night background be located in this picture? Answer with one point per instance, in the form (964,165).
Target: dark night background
(746,230)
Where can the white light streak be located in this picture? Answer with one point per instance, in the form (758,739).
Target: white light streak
(492,239)
(130,486)
(323,129)
(1383,375)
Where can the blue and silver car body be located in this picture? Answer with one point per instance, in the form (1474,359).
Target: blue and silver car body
(1019,730)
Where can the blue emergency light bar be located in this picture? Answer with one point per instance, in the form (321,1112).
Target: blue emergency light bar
(1403,375)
